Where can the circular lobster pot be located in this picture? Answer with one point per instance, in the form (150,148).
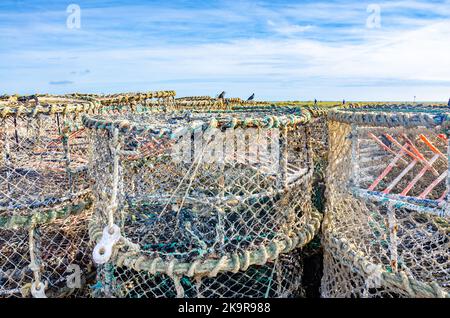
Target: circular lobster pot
(44,195)
(193,204)
(386,228)
(45,199)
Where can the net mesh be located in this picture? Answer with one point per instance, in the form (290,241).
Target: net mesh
(45,200)
(386,229)
(204,201)
(44,196)
(281,278)
(60,250)
(216,197)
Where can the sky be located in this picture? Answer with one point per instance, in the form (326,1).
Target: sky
(277,49)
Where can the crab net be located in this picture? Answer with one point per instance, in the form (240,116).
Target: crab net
(44,198)
(193,204)
(386,230)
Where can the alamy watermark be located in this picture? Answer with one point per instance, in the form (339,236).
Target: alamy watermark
(73,280)
(232,146)
(74,18)
(374,19)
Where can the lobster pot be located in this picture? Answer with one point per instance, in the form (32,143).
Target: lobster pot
(206,103)
(386,230)
(137,102)
(210,200)
(44,196)
(200,104)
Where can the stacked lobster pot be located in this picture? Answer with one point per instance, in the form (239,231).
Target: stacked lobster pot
(206,103)
(200,103)
(44,197)
(137,102)
(193,204)
(386,230)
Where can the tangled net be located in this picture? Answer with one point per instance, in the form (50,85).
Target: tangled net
(201,204)
(386,233)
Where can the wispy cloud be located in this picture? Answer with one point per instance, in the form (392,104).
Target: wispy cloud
(82,72)
(288,29)
(61,82)
(283,49)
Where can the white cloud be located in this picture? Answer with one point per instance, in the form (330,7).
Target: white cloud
(292,65)
(287,29)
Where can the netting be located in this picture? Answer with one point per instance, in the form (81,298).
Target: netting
(281,278)
(213,197)
(45,200)
(44,196)
(201,204)
(386,231)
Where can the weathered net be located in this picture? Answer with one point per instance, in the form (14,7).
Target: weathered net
(319,145)
(206,204)
(318,138)
(281,278)
(44,197)
(45,200)
(386,231)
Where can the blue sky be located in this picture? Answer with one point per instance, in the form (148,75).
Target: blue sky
(278,49)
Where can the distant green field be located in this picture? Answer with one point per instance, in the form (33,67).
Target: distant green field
(339,103)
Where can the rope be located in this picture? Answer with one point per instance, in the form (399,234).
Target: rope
(35,267)
(346,253)
(126,126)
(73,206)
(115,150)
(382,118)
(209,266)
(22,111)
